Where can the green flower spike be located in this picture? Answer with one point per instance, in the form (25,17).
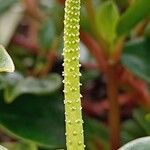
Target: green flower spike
(73,115)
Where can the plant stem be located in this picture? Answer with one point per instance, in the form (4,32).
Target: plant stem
(114,113)
(73,115)
(95,50)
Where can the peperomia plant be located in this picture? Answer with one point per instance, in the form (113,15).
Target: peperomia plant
(115,34)
(6,65)
(74,127)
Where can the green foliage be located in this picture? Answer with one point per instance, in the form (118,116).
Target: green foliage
(91,127)
(134,14)
(6,4)
(136,56)
(6,64)
(136,127)
(107,17)
(148,117)
(131,131)
(140,117)
(84,23)
(15,84)
(147,31)
(39,119)
(20,146)
(57,18)
(47,35)
(138,144)
(31,107)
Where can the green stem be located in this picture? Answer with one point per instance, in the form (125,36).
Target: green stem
(73,115)
(114,113)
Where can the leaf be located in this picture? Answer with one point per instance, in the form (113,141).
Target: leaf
(6,63)
(58,18)
(40,119)
(5,5)
(140,117)
(2,148)
(148,117)
(9,21)
(106,18)
(91,127)
(134,14)
(147,31)
(131,130)
(135,58)
(138,144)
(18,85)
(84,21)
(20,146)
(47,35)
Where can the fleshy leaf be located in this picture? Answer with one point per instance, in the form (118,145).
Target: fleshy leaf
(107,18)
(47,35)
(134,14)
(138,144)
(17,85)
(40,119)
(135,58)
(91,127)
(5,5)
(10,20)
(148,117)
(2,148)
(6,63)
(20,146)
(140,117)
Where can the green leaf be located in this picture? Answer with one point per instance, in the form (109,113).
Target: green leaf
(131,130)
(148,117)
(39,119)
(6,4)
(58,18)
(6,63)
(96,130)
(147,31)
(138,144)
(135,57)
(47,35)
(107,18)
(140,117)
(84,22)
(17,85)
(134,14)
(20,146)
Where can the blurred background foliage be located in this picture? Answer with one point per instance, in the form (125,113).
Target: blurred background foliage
(31,98)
